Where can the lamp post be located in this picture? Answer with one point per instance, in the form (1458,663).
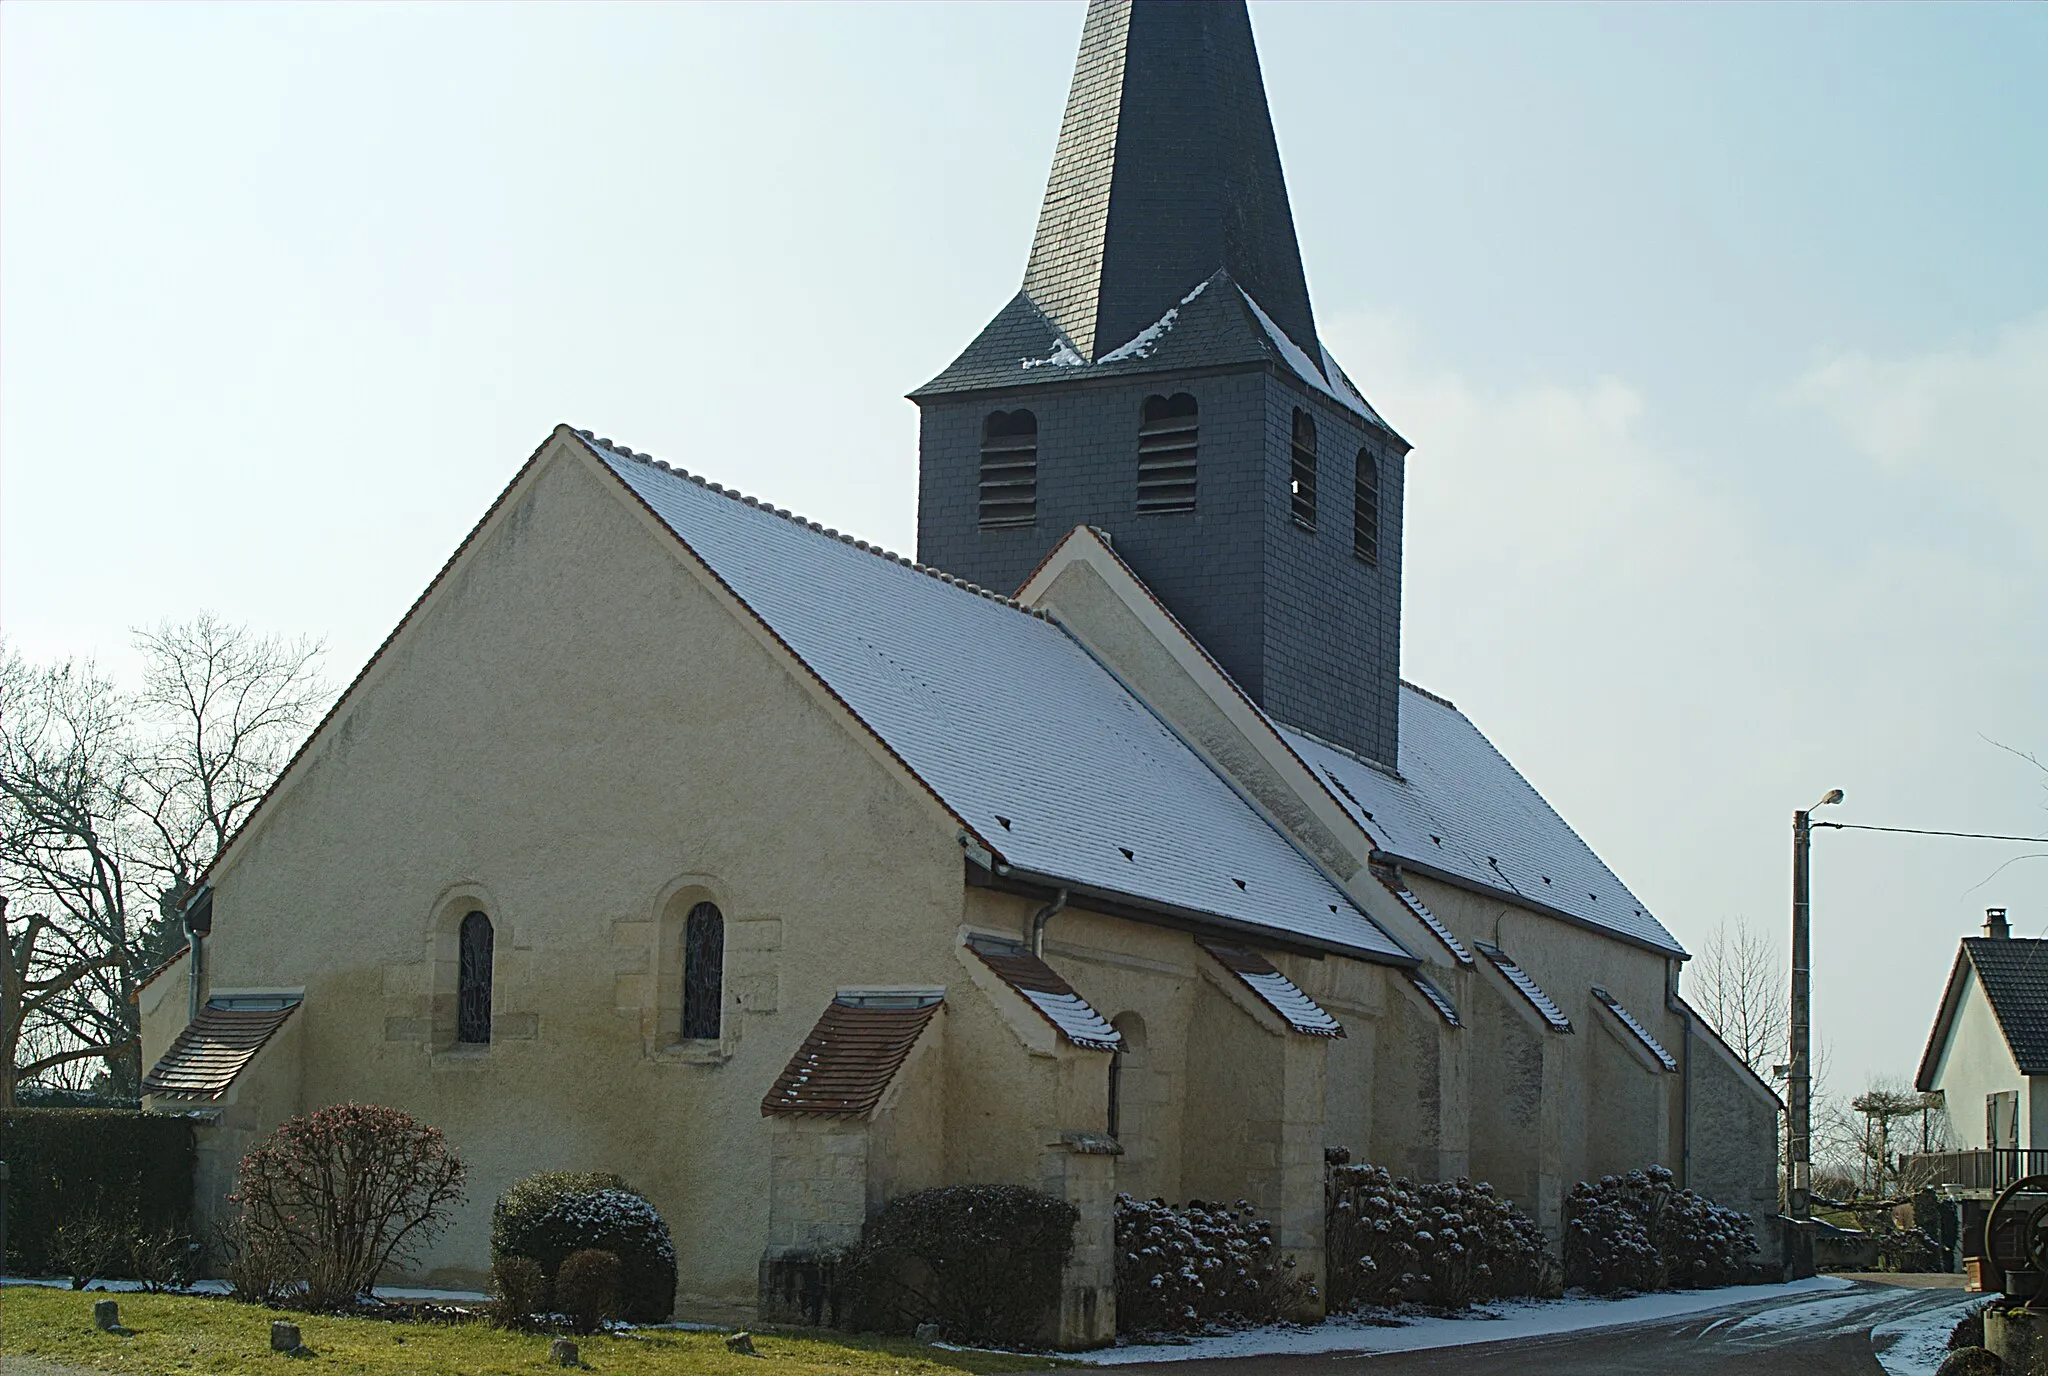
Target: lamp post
(1799,1082)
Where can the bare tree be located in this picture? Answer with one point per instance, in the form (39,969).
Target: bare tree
(111,806)
(221,710)
(1740,987)
(67,846)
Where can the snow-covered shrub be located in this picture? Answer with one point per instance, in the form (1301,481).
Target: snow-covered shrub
(1446,1243)
(587,1288)
(1641,1232)
(1182,1270)
(546,1217)
(983,1261)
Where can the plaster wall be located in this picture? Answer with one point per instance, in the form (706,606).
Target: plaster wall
(1976,1064)
(578,735)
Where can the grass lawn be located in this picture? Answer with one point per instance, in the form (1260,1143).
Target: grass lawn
(178,1333)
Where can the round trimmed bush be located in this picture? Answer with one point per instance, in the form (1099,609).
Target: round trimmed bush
(547,1216)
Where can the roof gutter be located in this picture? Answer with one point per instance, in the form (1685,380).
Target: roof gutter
(1032,884)
(1534,904)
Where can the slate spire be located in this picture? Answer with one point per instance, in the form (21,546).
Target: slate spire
(1167,170)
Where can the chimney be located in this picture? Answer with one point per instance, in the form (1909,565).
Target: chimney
(1995,925)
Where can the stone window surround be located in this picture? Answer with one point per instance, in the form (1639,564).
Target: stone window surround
(444,962)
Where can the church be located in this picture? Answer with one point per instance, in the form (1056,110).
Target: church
(1100,848)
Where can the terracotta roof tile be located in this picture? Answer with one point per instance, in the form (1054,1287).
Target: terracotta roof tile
(213,1049)
(846,1063)
(1438,998)
(1041,986)
(1642,1033)
(1400,890)
(1276,991)
(1527,987)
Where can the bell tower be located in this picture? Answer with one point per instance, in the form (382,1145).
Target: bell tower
(1159,376)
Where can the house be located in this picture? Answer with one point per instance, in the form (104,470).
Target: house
(1100,848)
(1987,1053)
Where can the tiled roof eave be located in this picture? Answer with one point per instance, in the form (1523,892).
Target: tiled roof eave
(1420,865)
(1115,903)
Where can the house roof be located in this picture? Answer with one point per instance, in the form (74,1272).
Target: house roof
(1276,991)
(852,1053)
(1460,811)
(1635,1028)
(1050,764)
(1041,986)
(204,1059)
(2013,972)
(1545,1006)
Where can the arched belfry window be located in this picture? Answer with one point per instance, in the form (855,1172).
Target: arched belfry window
(703,972)
(1365,510)
(1166,454)
(1303,485)
(1009,470)
(473,980)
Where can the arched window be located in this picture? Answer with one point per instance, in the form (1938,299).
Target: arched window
(1166,454)
(703,972)
(1303,485)
(473,980)
(1365,510)
(1009,470)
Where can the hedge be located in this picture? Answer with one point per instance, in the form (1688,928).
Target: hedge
(70,1162)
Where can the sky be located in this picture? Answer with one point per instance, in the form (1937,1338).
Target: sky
(1721,333)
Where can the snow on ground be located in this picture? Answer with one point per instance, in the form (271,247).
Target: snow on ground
(221,1287)
(1915,1346)
(1498,1323)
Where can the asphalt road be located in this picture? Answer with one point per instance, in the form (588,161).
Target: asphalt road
(1826,1334)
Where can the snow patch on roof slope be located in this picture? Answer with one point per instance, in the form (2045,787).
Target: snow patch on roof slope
(1306,369)
(1460,808)
(1144,341)
(1010,722)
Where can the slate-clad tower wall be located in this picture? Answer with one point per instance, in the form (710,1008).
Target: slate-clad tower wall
(1165,217)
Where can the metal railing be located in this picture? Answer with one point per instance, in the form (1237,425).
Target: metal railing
(1983,1168)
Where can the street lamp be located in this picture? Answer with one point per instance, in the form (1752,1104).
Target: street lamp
(1799,1082)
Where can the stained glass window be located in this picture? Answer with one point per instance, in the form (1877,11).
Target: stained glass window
(703,972)
(473,983)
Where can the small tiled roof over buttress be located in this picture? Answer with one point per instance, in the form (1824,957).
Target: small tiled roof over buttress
(1526,985)
(1276,991)
(1041,986)
(214,1048)
(1635,1028)
(852,1053)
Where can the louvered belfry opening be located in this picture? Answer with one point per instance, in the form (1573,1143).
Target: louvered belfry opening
(1303,485)
(1365,510)
(703,972)
(1166,454)
(1009,470)
(473,980)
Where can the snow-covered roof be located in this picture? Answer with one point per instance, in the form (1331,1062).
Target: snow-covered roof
(1635,1026)
(1436,996)
(1276,991)
(1041,986)
(1336,387)
(1460,810)
(1423,915)
(1046,758)
(1545,1006)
